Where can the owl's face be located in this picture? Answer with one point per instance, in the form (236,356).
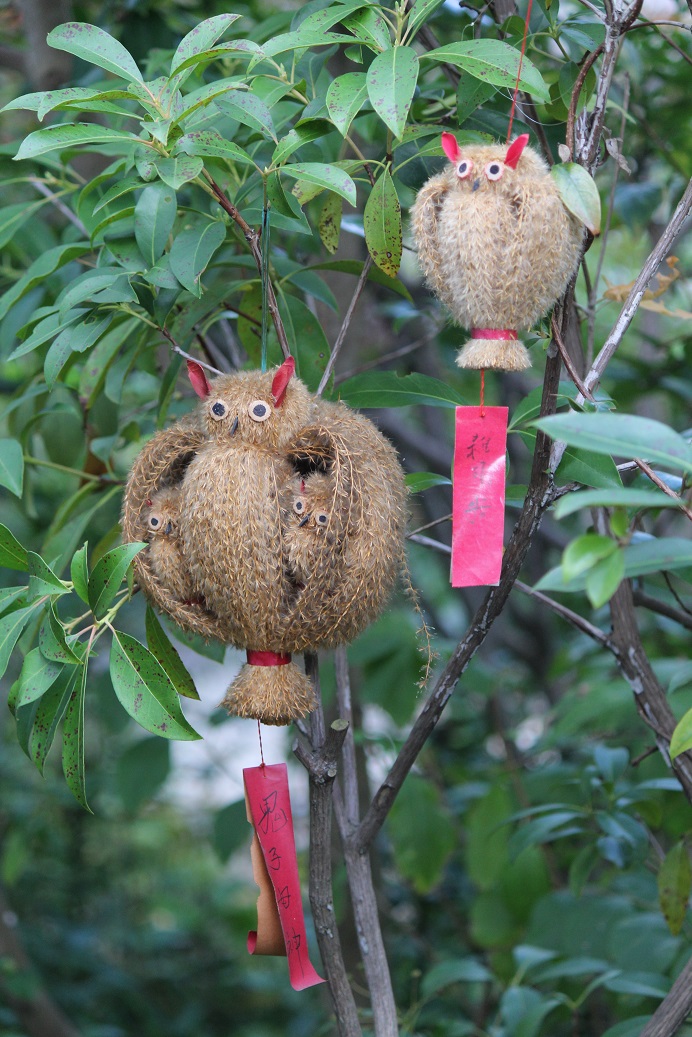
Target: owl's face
(250,408)
(312,505)
(161,516)
(492,167)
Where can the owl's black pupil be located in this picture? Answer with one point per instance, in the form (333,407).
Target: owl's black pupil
(299,506)
(462,167)
(494,169)
(260,410)
(219,410)
(154,522)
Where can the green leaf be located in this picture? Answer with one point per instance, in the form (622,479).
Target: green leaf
(40,270)
(11,627)
(624,497)
(584,552)
(493,62)
(53,642)
(622,434)
(108,574)
(79,572)
(210,144)
(458,970)
(142,770)
(316,129)
(201,38)
(13,217)
(642,557)
(192,251)
(249,110)
(579,193)
(388,389)
(179,170)
(382,225)
(421,859)
(325,175)
(37,676)
(682,735)
(419,12)
(45,330)
(418,481)
(89,284)
(58,138)
(73,740)
(391,80)
(12,554)
(161,647)
(329,221)
(346,96)
(471,93)
(604,578)
(51,709)
(230,829)
(74,339)
(674,886)
(12,466)
(8,595)
(155,214)
(145,690)
(42,579)
(368,25)
(589,468)
(95,46)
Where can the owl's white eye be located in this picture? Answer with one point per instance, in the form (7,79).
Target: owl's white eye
(259,410)
(299,506)
(218,410)
(494,170)
(464,168)
(321,519)
(154,522)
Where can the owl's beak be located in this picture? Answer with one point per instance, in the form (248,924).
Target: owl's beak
(476,185)
(234,426)
(169,528)
(304,520)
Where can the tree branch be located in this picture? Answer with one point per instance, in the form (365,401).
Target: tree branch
(343,331)
(674,1009)
(647,601)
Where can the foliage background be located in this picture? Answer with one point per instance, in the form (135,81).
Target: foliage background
(518,875)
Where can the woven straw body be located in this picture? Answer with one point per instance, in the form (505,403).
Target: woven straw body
(498,253)
(237,564)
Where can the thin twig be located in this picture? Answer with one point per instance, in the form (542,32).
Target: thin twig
(429,525)
(59,204)
(561,610)
(343,331)
(647,601)
(567,361)
(657,481)
(187,356)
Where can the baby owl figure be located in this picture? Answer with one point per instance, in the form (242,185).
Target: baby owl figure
(311,529)
(496,245)
(165,555)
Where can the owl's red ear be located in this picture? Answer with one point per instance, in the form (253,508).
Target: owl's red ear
(200,382)
(515,149)
(281,380)
(450,146)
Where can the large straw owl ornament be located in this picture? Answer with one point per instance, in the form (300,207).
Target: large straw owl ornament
(496,245)
(230,556)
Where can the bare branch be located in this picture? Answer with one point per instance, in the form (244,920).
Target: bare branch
(43,189)
(674,1009)
(647,601)
(343,331)
(181,352)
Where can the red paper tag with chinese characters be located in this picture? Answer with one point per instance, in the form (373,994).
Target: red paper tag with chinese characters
(478,507)
(266,791)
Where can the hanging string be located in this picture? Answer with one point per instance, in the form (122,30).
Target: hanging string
(482,392)
(521,61)
(259,733)
(265,277)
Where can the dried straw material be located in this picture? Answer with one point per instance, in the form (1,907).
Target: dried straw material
(234,482)
(496,245)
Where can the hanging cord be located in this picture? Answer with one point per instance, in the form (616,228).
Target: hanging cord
(521,62)
(482,392)
(259,734)
(265,277)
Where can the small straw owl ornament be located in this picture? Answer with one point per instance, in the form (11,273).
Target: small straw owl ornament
(283,520)
(496,244)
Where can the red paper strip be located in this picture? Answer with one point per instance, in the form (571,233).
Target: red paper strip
(478,496)
(267,793)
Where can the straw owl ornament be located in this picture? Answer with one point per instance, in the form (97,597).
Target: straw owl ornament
(275,523)
(496,244)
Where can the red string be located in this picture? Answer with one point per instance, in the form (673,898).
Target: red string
(259,732)
(482,392)
(521,61)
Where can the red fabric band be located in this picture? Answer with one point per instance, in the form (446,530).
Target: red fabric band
(499,333)
(267,658)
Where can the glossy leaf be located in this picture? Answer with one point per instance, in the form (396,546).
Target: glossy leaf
(12,218)
(249,110)
(346,96)
(11,627)
(201,38)
(161,647)
(145,690)
(59,138)
(46,264)
(638,500)
(674,886)
(493,62)
(641,558)
(579,193)
(192,251)
(155,214)
(419,13)
(419,481)
(51,709)
(329,222)
(324,175)
(391,81)
(367,24)
(584,552)
(382,225)
(73,740)
(36,677)
(52,640)
(178,170)
(96,46)
(79,573)
(42,579)
(314,130)
(457,970)
(604,578)
(12,466)
(388,389)
(12,554)
(624,435)
(210,143)
(108,574)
